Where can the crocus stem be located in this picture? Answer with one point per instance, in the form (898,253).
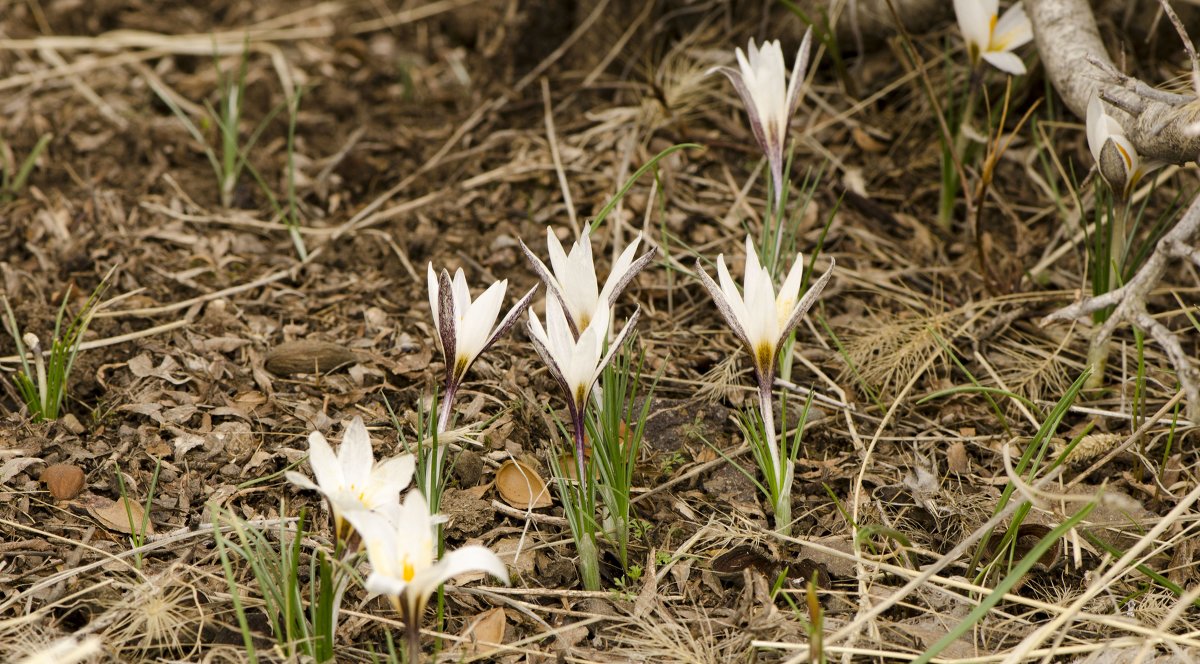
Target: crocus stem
(1099,350)
(779,483)
(951,181)
(577,417)
(412,626)
(447,405)
(766,406)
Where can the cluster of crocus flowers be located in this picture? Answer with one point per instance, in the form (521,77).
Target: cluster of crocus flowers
(770,97)
(992,37)
(574,342)
(466,327)
(1116,158)
(763,321)
(400,537)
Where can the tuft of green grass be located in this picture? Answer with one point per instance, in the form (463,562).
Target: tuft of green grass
(616,428)
(13,176)
(46,369)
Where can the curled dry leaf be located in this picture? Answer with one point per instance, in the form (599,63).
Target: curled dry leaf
(521,486)
(64,480)
(304,356)
(112,514)
(486,632)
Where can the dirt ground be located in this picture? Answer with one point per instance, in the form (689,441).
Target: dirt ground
(438,132)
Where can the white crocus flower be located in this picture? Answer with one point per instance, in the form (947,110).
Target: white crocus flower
(991,38)
(468,327)
(770,97)
(575,364)
(572,279)
(759,318)
(1118,161)
(351,480)
(401,544)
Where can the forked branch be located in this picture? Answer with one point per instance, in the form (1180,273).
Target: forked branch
(1130,303)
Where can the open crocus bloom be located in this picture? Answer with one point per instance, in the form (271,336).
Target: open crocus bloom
(402,547)
(770,97)
(1114,153)
(573,281)
(759,318)
(351,480)
(466,328)
(575,364)
(994,39)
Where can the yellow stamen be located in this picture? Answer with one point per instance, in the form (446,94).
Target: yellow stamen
(409,571)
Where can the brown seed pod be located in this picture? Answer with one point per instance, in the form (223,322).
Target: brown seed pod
(64,480)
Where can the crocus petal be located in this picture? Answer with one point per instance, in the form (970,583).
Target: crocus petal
(477,323)
(799,71)
(732,295)
(462,294)
(546,276)
(1013,30)
(510,318)
(1006,62)
(447,320)
(325,465)
(578,281)
(806,302)
(752,113)
(615,345)
(975,22)
(433,298)
(355,455)
(724,306)
(541,344)
(388,479)
(300,481)
(1096,126)
(473,558)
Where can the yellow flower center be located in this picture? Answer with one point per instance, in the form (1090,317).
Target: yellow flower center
(409,571)
(764,354)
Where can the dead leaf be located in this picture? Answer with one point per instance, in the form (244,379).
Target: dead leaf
(304,356)
(117,515)
(521,487)
(486,632)
(957,460)
(64,480)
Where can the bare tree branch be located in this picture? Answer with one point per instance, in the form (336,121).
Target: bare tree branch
(1158,124)
(1130,303)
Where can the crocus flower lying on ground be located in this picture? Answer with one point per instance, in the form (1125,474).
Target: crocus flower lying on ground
(992,39)
(763,321)
(466,328)
(402,547)
(573,281)
(351,480)
(1114,153)
(770,98)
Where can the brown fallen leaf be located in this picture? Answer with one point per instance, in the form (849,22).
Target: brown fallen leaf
(304,356)
(520,486)
(957,460)
(112,514)
(486,632)
(64,480)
